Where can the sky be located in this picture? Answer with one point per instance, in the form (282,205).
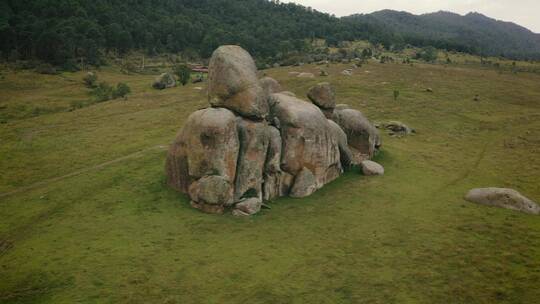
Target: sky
(523,12)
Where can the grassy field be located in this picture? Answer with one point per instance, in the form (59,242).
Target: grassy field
(85,216)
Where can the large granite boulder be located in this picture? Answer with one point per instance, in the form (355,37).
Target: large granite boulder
(363,137)
(203,157)
(233,83)
(308,140)
(254,140)
(503,198)
(345,153)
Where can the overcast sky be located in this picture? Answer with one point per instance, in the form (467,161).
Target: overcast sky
(522,12)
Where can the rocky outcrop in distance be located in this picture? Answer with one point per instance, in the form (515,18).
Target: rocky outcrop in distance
(257,143)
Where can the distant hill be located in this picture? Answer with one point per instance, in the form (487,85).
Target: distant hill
(473,32)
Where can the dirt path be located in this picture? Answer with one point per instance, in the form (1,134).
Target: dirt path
(81,171)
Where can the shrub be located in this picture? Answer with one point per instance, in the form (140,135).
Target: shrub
(183,72)
(103,92)
(428,54)
(90,79)
(396,94)
(46,68)
(122,89)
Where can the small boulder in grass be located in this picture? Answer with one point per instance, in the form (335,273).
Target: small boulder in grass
(370,168)
(503,198)
(249,206)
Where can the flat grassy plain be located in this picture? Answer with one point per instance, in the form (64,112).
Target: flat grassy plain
(85,216)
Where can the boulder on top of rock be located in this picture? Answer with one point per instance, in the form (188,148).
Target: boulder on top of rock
(207,145)
(363,137)
(323,95)
(307,137)
(233,83)
(503,198)
(164,81)
(270,85)
(370,168)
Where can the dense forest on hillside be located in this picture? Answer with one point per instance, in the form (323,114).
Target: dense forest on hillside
(60,30)
(64,31)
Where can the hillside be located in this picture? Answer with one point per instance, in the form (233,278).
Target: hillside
(473,32)
(64,32)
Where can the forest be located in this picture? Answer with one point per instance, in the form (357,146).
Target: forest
(61,32)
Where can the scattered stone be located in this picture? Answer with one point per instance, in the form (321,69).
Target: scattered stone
(306,75)
(397,127)
(503,198)
(294,74)
(429,90)
(323,73)
(370,168)
(347,72)
(249,206)
(476,98)
(197,79)
(164,81)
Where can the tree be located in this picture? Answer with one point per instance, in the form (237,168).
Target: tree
(183,72)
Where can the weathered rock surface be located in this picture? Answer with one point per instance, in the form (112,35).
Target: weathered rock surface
(346,155)
(164,81)
(257,143)
(307,138)
(207,145)
(233,83)
(305,184)
(323,95)
(370,168)
(249,206)
(270,85)
(503,198)
(363,137)
(254,139)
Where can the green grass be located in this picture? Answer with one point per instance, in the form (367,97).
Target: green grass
(114,233)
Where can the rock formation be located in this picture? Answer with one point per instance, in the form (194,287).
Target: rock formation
(257,143)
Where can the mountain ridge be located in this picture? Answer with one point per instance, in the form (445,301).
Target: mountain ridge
(476,32)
